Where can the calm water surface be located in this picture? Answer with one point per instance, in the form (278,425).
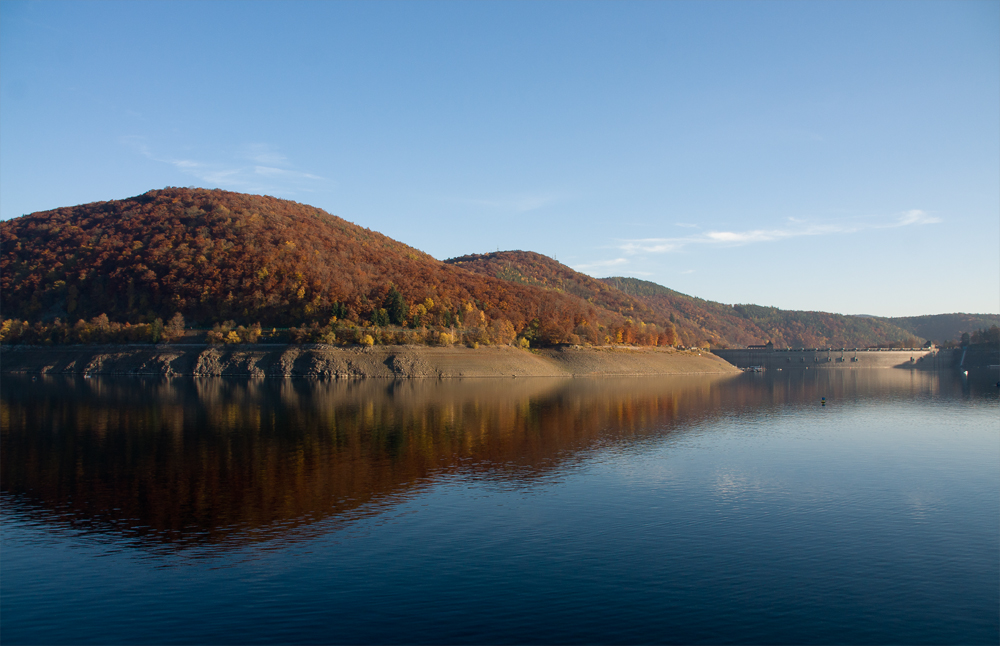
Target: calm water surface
(683,510)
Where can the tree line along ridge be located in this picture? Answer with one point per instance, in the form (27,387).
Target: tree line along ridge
(249,267)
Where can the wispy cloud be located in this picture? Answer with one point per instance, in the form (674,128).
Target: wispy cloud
(271,172)
(603,267)
(263,154)
(797,228)
(516,203)
(600,264)
(916,216)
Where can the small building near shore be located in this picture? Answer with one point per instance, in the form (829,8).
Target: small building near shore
(767,346)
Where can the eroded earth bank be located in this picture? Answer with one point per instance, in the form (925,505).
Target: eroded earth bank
(323,361)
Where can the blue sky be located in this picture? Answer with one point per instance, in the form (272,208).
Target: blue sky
(836,156)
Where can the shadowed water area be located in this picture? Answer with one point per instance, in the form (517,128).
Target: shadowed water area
(725,509)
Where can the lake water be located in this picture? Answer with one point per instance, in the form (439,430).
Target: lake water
(735,509)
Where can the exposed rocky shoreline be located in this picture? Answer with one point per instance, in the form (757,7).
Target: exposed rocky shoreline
(323,361)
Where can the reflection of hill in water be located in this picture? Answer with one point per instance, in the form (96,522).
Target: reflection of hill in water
(188,461)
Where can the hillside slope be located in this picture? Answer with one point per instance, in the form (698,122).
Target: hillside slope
(536,270)
(942,328)
(745,324)
(694,320)
(219,256)
(215,255)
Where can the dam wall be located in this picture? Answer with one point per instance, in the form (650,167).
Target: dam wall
(922,358)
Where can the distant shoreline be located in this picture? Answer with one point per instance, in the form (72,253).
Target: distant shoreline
(332,362)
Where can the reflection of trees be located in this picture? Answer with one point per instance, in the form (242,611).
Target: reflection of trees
(192,460)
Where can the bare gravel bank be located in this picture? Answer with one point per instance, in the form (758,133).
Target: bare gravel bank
(322,361)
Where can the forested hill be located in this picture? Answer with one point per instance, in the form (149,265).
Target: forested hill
(696,321)
(536,270)
(744,324)
(946,327)
(793,328)
(214,255)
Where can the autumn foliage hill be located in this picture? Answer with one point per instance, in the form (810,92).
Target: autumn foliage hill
(744,324)
(217,256)
(240,261)
(536,270)
(943,328)
(694,321)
